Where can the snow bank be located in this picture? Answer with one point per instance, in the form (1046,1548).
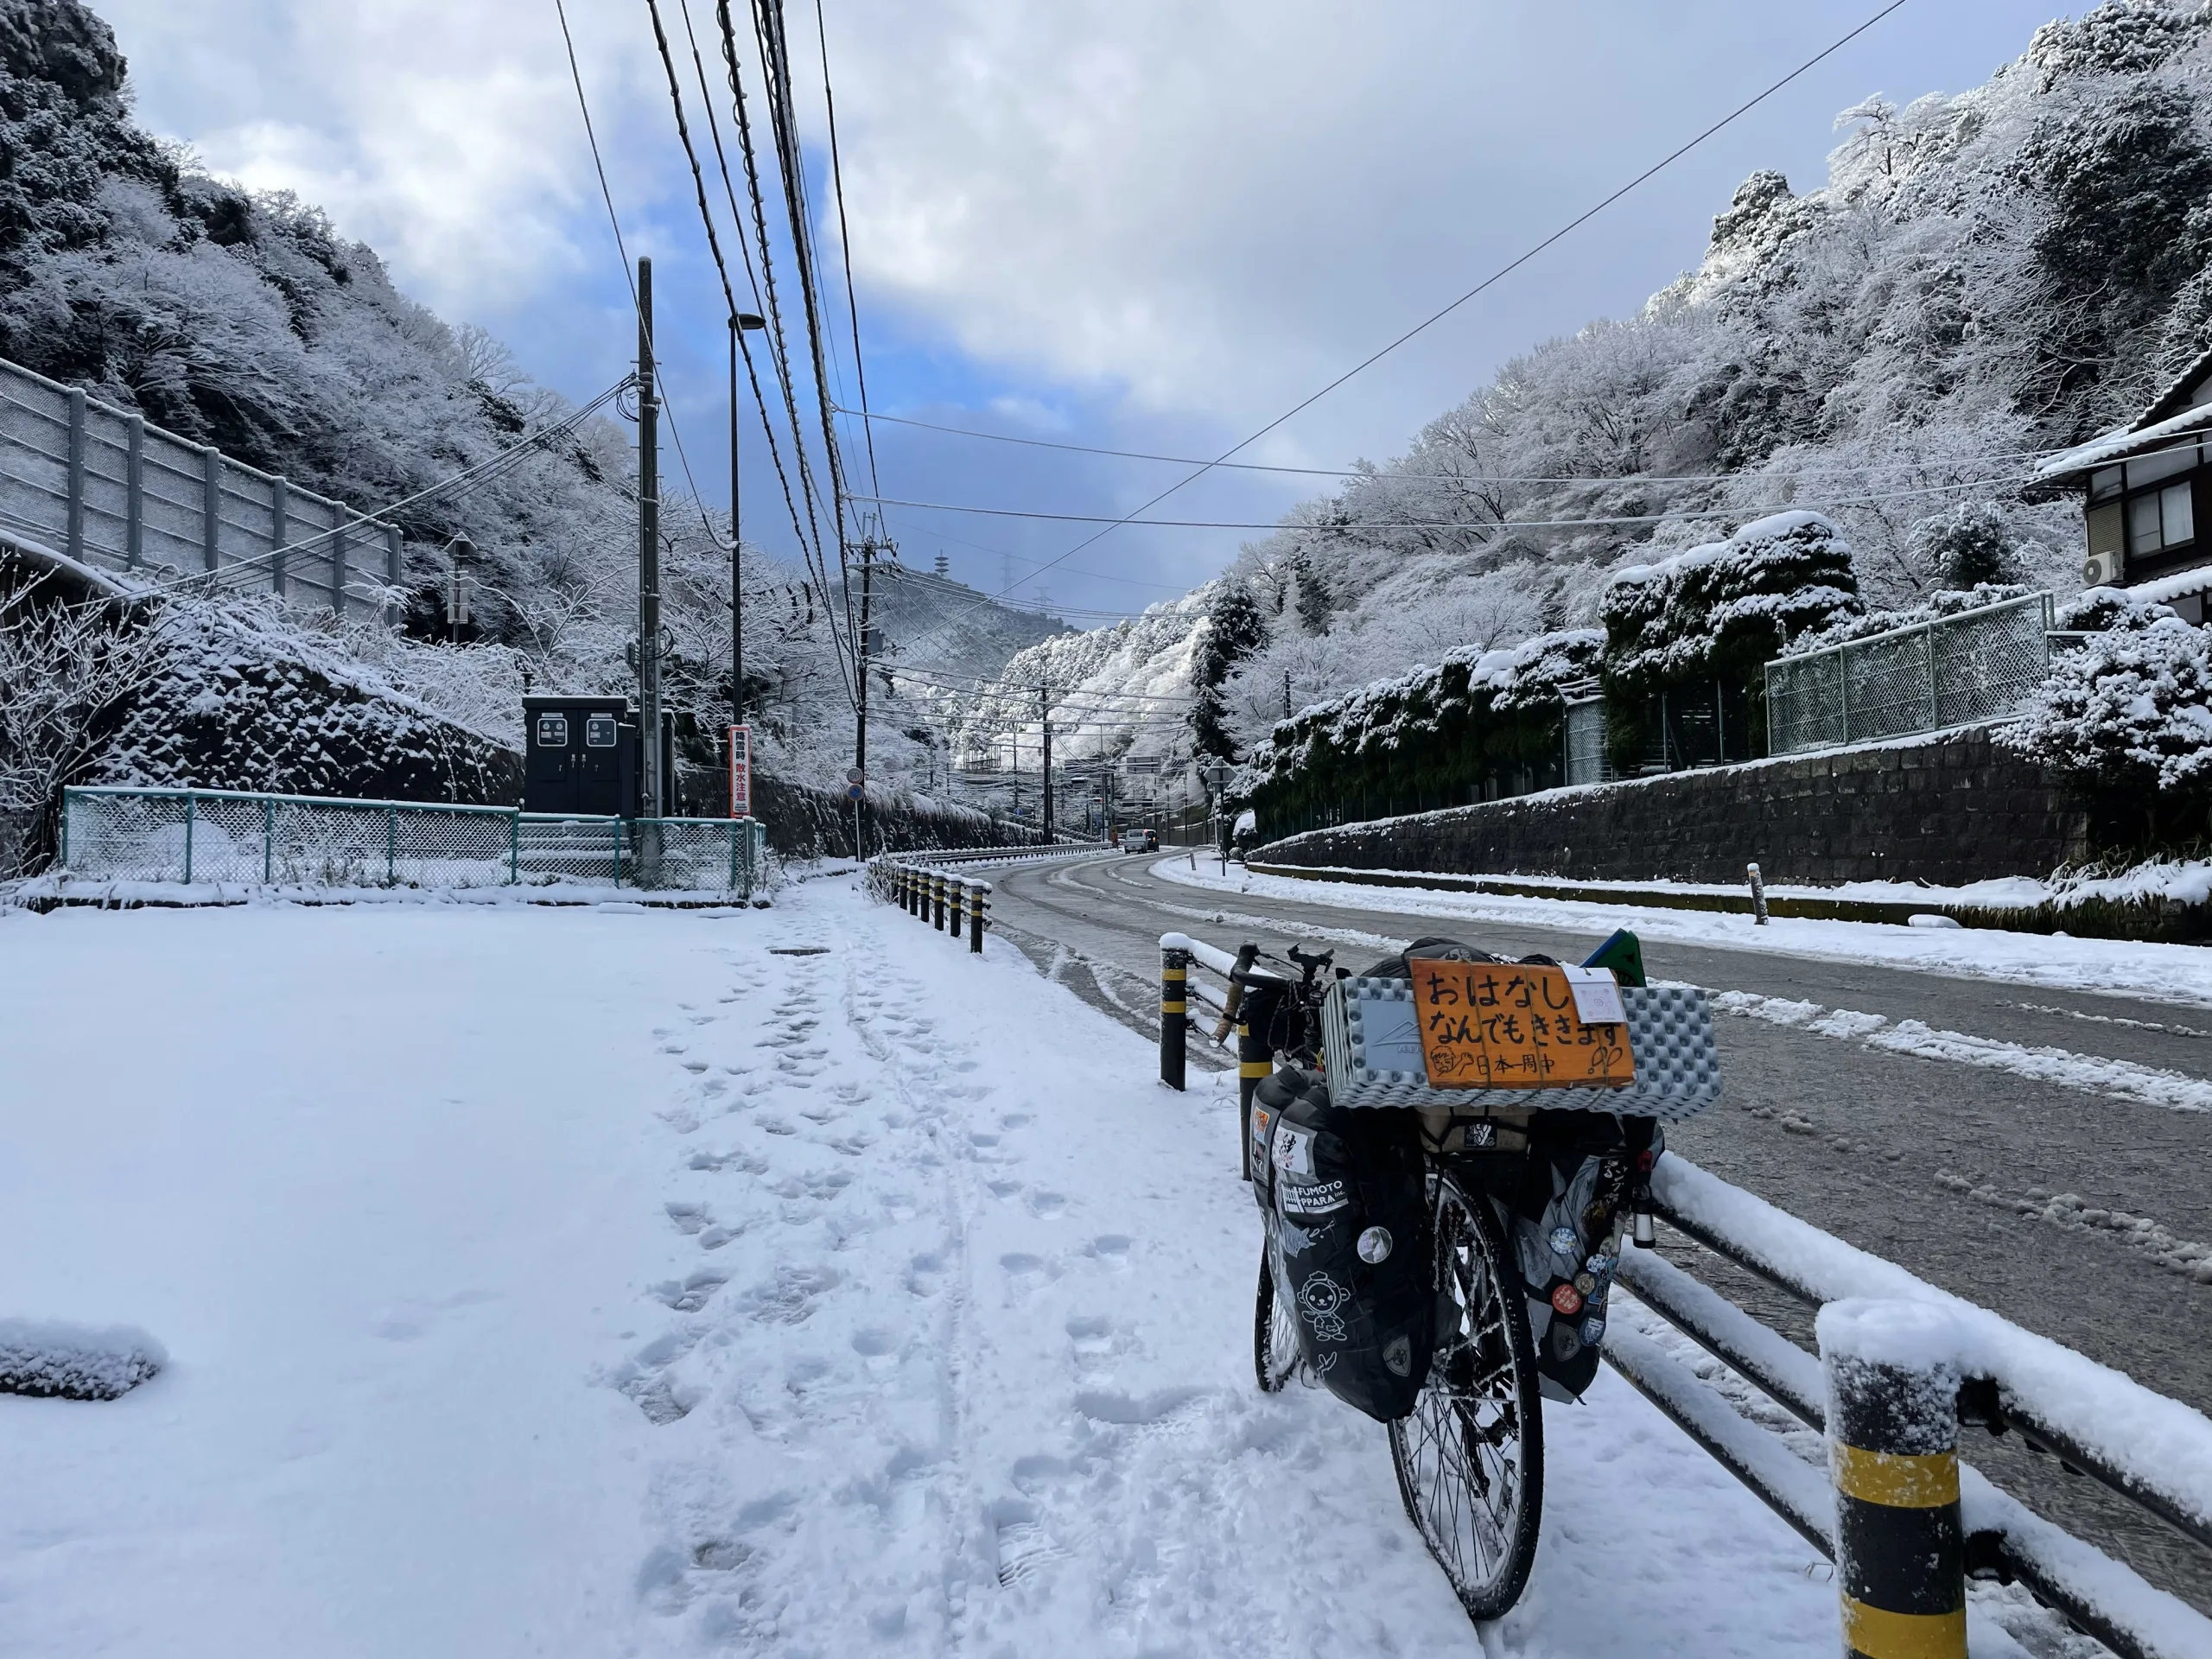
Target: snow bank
(75,1362)
(2171,973)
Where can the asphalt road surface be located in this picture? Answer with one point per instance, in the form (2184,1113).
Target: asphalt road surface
(1924,1161)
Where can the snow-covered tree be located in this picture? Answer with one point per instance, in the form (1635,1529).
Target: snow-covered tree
(2126,718)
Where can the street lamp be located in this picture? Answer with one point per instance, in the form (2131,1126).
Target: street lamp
(739,322)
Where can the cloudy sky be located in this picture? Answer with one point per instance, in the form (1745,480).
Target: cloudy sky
(1147,225)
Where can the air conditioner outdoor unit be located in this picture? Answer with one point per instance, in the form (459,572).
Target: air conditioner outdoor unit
(2103,569)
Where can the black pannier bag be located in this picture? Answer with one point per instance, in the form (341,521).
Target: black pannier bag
(1354,1235)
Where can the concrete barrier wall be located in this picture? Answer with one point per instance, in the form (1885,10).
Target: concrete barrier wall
(1946,810)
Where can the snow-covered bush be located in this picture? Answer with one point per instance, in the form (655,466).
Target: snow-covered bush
(1718,611)
(2126,719)
(68,672)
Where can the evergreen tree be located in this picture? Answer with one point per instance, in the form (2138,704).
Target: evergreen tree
(1234,629)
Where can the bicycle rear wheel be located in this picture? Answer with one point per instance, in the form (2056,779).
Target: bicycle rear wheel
(1275,1326)
(1470,1456)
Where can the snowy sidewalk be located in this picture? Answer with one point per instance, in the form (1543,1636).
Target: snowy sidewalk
(601,1282)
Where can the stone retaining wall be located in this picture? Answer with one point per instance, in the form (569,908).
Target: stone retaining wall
(1946,810)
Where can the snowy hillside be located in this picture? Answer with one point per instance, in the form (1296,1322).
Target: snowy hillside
(1981,276)
(244,321)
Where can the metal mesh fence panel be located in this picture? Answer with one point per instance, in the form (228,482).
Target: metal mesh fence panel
(198,835)
(1586,743)
(1979,666)
(451,847)
(571,849)
(1886,688)
(1989,661)
(134,838)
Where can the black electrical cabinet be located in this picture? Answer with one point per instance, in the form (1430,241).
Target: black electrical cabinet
(583,756)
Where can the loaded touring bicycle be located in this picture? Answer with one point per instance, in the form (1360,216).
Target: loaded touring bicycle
(1448,1161)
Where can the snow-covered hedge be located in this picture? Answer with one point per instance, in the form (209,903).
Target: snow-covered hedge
(1426,738)
(1721,610)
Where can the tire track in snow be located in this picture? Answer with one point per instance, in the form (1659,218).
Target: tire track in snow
(2092,1073)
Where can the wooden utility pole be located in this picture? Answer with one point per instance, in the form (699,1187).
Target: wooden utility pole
(648,552)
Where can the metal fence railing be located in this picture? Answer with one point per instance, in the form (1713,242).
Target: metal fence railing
(1957,671)
(224,837)
(99,484)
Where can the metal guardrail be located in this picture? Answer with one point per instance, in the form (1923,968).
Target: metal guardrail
(229,837)
(100,484)
(1963,669)
(1903,1366)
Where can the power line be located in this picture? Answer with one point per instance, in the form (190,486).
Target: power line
(1496,277)
(1446,524)
(845,240)
(1443,478)
(713,243)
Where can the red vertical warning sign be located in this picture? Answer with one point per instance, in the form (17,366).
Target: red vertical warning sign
(740,771)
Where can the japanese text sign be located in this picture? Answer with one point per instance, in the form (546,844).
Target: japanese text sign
(1489,1025)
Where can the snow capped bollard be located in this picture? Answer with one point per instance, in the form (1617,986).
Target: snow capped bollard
(979,897)
(1174,989)
(1758,894)
(936,898)
(1892,1371)
(959,886)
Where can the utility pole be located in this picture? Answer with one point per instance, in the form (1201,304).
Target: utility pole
(648,548)
(739,322)
(1045,710)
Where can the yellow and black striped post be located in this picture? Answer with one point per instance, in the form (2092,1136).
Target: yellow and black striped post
(1174,1019)
(979,894)
(1256,1058)
(907,888)
(1893,1450)
(959,886)
(938,883)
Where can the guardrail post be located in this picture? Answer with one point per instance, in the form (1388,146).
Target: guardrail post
(906,900)
(959,886)
(1174,1020)
(514,850)
(280,533)
(391,845)
(267,839)
(134,492)
(979,896)
(211,506)
(1758,894)
(1893,1450)
(187,838)
(74,535)
(338,565)
(936,896)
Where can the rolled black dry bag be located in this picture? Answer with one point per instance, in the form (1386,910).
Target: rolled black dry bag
(1354,1235)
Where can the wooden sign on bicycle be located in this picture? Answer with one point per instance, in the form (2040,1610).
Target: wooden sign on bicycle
(1489,1025)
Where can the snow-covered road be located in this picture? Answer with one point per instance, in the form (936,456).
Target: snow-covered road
(600,1281)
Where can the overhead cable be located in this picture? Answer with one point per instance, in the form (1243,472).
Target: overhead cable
(1496,277)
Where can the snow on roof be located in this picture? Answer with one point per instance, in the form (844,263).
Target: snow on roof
(2167,588)
(2122,441)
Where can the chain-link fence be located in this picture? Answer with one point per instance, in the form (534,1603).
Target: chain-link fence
(1957,671)
(227,838)
(99,484)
